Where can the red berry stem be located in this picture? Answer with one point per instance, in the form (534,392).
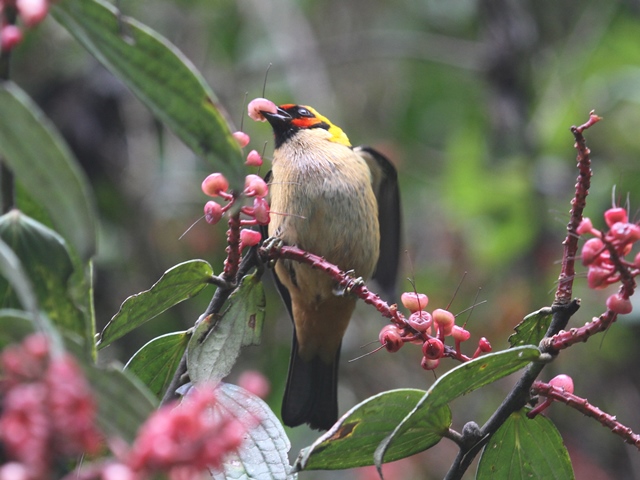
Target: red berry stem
(584,407)
(565,339)
(233,248)
(564,291)
(343,279)
(349,283)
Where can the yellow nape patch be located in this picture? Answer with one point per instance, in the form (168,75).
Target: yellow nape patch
(337,135)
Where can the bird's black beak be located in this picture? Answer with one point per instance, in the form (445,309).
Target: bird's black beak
(278,119)
(281,124)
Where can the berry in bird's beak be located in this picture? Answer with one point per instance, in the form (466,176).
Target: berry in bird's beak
(278,117)
(258,106)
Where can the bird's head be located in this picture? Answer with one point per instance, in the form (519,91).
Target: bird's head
(291,119)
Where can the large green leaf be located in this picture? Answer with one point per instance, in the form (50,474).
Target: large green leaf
(155,363)
(531,330)
(525,448)
(160,76)
(43,164)
(179,283)
(263,453)
(45,258)
(459,381)
(353,440)
(217,340)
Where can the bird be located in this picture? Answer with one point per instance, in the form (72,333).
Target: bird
(339,202)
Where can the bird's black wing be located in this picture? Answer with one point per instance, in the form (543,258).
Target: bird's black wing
(385,186)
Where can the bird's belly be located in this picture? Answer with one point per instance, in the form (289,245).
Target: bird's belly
(338,224)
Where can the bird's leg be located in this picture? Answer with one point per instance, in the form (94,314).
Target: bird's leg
(271,245)
(351,283)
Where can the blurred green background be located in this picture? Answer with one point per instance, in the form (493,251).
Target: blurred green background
(472,100)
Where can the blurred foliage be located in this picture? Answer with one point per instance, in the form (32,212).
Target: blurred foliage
(473,102)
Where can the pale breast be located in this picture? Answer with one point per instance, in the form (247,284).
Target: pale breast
(324,203)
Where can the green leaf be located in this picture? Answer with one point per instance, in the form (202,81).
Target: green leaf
(263,453)
(123,402)
(217,340)
(155,363)
(531,330)
(15,325)
(42,162)
(179,283)
(46,260)
(353,440)
(459,381)
(160,76)
(11,269)
(524,448)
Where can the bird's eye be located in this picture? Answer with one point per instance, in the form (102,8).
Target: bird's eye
(303,112)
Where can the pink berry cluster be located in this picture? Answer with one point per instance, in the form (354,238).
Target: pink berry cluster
(48,412)
(183,440)
(427,329)
(562,382)
(216,185)
(597,254)
(31,12)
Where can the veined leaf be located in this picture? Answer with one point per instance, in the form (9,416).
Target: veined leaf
(525,448)
(155,363)
(42,162)
(160,76)
(353,440)
(179,283)
(217,340)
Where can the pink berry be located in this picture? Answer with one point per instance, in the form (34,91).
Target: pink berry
(429,364)
(433,349)
(255,382)
(565,382)
(618,304)
(590,250)
(598,276)
(261,211)
(459,334)
(625,232)
(215,184)
(420,321)
(249,238)
(391,338)
(585,226)
(32,11)
(259,105)
(10,36)
(615,215)
(255,186)
(242,138)
(254,159)
(445,320)
(484,345)
(414,301)
(212,212)
(36,345)
(636,260)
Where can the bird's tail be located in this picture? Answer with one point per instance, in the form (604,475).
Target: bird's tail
(311,395)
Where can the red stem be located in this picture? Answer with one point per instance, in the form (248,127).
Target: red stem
(584,407)
(567,273)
